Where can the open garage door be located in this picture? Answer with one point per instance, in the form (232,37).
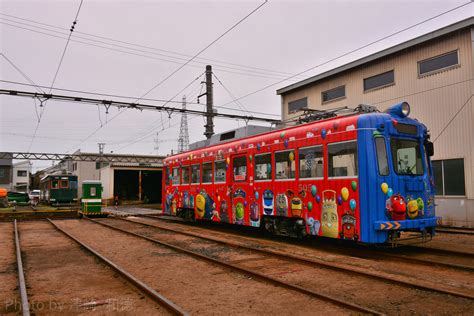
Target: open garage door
(138,185)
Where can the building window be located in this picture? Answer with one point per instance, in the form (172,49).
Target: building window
(333,94)
(297,105)
(207,172)
(379,81)
(22,173)
(186,175)
(285,166)
(449,177)
(2,172)
(175,176)
(93,191)
(263,167)
(382,160)
(311,162)
(438,63)
(240,168)
(342,159)
(220,169)
(195,174)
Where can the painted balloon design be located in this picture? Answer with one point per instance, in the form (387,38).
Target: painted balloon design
(354,186)
(389,192)
(323,133)
(345,194)
(314,190)
(310,206)
(384,187)
(352,204)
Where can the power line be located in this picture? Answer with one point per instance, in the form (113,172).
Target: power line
(239,104)
(205,60)
(452,119)
(32,83)
(203,50)
(351,51)
(55,76)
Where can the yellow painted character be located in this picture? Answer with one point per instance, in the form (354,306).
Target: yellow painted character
(329,216)
(412,209)
(200,205)
(173,206)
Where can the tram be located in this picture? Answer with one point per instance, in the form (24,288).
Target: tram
(364,176)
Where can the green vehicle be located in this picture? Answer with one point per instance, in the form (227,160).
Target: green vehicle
(20,198)
(91,202)
(59,189)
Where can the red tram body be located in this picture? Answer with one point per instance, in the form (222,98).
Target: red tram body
(331,178)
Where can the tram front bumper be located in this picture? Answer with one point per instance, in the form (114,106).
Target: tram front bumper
(411,224)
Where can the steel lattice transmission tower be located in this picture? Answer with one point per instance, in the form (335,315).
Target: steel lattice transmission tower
(183,140)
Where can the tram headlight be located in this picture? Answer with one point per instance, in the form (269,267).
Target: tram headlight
(405,109)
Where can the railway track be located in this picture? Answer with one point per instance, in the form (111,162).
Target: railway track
(455,230)
(407,253)
(25,306)
(277,258)
(140,285)
(260,276)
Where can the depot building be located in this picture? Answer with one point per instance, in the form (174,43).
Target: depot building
(434,74)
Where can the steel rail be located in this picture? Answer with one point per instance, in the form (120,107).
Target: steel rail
(154,295)
(25,306)
(459,231)
(256,275)
(308,261)
(391,255)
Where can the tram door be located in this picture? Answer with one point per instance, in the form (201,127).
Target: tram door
(239,187)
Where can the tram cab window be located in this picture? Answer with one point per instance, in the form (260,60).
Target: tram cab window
(406,156)
(207,172)
(263,167)
(220,171)
(175,177)
(64,184)
(311,162)
(285,165)
(186,175)
(54,184)
(167,176)
(240,168)
(382,160)
(195,174)
(342,159)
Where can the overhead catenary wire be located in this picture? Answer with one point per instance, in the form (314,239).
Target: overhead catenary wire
(56,74)
(352,51)
(169,52)
(239,104)
(32,83)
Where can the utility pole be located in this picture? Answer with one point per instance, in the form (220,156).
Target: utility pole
(101,148)
(183,140)
(209,108)
(157,146)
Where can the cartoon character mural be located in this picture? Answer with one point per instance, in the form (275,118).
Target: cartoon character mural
(396,207)
(239,204)
(223,211)
(268,204)
(329,216)
(314,225)
(296,204)
(170,203)
(348,225)
(205,206)
(254,215)
(239,213)
(186,202)
(281,205)
(412,208)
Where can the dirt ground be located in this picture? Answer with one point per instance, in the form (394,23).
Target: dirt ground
(62,278)
(199,287)
(332,282)
(9,295)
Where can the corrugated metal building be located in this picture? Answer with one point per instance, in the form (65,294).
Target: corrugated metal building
(434,73)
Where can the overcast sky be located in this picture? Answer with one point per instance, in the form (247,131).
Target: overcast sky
(280,39)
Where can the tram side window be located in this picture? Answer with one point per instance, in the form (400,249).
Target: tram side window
(263,167)
(240,169)
(382,160)
(54,184)
(186,175)
(219,171)
(311,162)
(73,184)
(207,172)
(175,177)
(195,174)
(342,159)
(285,165)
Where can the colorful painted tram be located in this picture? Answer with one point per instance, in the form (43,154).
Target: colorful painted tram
(362,177)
